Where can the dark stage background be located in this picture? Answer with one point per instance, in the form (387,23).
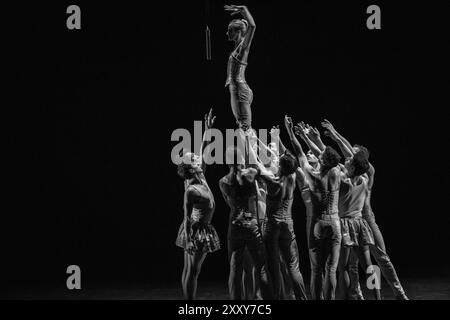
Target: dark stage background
(88,178)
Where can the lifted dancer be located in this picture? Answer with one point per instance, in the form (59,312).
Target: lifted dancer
(241,32)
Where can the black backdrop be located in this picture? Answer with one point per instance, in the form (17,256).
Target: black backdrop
(88,178)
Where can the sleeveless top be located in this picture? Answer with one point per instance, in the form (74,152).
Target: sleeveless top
(352,198)
(203,208)
(235,68)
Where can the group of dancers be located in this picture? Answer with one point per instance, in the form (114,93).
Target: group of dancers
(263,254)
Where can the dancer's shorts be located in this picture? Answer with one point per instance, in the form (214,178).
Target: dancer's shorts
(356,232)
(204,237)
(241,100)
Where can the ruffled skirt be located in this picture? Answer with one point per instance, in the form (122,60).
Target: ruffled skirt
(356,232)
(204,236)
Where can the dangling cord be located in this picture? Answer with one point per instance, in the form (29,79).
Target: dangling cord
(207,31)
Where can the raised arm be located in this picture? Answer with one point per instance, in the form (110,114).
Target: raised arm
(314,135)
(347,152)
(275,138)
(298,150)
(331,128)
(243,10)
(300,130)
(209,122)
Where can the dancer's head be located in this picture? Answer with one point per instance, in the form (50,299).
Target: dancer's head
(237,29)
(329,158)
(358,165)
(288,163)
(358,147)
(312,159)
(190,165)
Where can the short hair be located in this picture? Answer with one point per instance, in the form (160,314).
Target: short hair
(184,170)
(360,162)
(288,163)
(364,149)
(330,158)
(239,24)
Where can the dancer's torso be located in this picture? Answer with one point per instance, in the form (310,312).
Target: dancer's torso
(204,205)
(279,203)
(325,202)
(236,67)
(243,201)
(352,197)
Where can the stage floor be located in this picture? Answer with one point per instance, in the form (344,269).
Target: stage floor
(416,289)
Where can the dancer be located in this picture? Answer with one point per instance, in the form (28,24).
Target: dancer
(196,234)
(279,234)
(241,32)
(240,191)
(307,196)
(357,235)
(326,238)
(378,251)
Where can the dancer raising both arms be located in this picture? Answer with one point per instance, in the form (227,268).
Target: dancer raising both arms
(240,31)
(326,237)
(378,251)
(196,234)
(241,192)
(279,232)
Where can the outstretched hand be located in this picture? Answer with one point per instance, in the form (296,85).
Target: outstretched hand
(300,130)
(331,132)
(275,131)
(209,119)
(288,123)
(312,132)
(327,125)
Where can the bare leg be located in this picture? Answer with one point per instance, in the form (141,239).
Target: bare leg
(343,280)
(184,274)
(195,265)
(248,277)
(366,262)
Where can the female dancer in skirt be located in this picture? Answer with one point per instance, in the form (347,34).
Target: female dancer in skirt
(196,234)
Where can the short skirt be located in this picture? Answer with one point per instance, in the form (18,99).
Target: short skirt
(204,237)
